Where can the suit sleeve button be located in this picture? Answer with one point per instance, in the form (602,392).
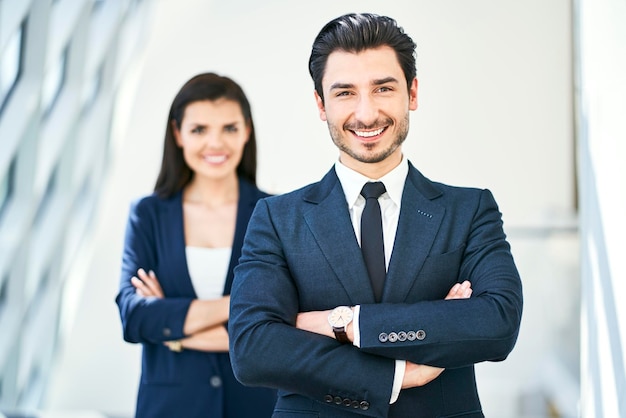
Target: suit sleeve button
(402,336)
(167,332)
(347,402)
(216,381)
(410,335)
(364,405)
(337,400)
(383,337)
(355,404)
(393,337)
(420,335)
(328,399)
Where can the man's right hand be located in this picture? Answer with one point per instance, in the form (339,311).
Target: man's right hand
(421,374)
(460,291)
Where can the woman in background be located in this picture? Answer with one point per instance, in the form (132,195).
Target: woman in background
(181,245)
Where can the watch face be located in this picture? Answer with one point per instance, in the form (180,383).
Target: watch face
(340,316)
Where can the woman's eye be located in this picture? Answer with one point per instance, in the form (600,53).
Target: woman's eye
(197,130)
(231,128)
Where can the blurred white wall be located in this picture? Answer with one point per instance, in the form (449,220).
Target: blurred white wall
(495,111)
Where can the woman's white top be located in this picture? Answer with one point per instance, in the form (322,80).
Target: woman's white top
(208,268)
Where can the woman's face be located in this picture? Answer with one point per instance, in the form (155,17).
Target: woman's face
(212,135)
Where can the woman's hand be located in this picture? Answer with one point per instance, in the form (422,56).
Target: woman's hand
(147,284)
(213,339)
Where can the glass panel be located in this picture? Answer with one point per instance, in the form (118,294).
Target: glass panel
(10,65)
(4,191)
(29,395)
(53,83)
(91,90)
(4,290)
(134,4)
(47,197)
(6,187)
(97,4)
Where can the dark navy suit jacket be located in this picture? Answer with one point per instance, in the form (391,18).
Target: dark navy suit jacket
(301,254)
(190,383)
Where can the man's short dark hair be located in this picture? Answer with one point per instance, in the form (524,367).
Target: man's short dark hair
(356,32)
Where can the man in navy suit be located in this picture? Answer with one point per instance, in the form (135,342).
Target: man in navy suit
(304,316)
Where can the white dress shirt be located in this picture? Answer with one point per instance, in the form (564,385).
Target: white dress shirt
(208,268)
(352,183)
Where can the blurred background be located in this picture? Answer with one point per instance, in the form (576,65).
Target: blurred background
(524,98)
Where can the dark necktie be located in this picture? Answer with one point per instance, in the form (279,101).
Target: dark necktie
(372,245)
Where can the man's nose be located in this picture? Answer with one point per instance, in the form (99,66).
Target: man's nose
(366,110)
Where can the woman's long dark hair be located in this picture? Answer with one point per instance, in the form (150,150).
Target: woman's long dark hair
(175,173)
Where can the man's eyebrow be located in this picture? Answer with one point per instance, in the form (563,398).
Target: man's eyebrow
(385,81)
(341,86)
(376,82)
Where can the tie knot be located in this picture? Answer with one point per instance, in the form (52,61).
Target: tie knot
(373,189)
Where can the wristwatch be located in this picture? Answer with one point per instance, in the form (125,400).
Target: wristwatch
(339,318)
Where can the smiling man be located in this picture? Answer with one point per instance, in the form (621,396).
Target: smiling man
(374,291)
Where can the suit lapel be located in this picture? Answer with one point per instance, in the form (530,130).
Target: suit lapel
(419,221)
(248,197)
(329,222)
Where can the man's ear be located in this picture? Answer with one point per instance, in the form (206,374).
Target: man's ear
(320,106)
(413,95)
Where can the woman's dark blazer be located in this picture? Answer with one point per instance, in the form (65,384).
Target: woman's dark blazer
(190,383)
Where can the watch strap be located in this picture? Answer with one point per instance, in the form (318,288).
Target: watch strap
(340,334)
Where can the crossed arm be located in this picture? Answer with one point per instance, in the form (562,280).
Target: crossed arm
(414,374)
(205,320)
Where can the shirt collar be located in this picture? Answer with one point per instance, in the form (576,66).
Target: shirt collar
(352,182)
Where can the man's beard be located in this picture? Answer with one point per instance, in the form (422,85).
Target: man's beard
(336,135)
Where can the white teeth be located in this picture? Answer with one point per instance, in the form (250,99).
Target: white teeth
(369,134)
(214,159)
